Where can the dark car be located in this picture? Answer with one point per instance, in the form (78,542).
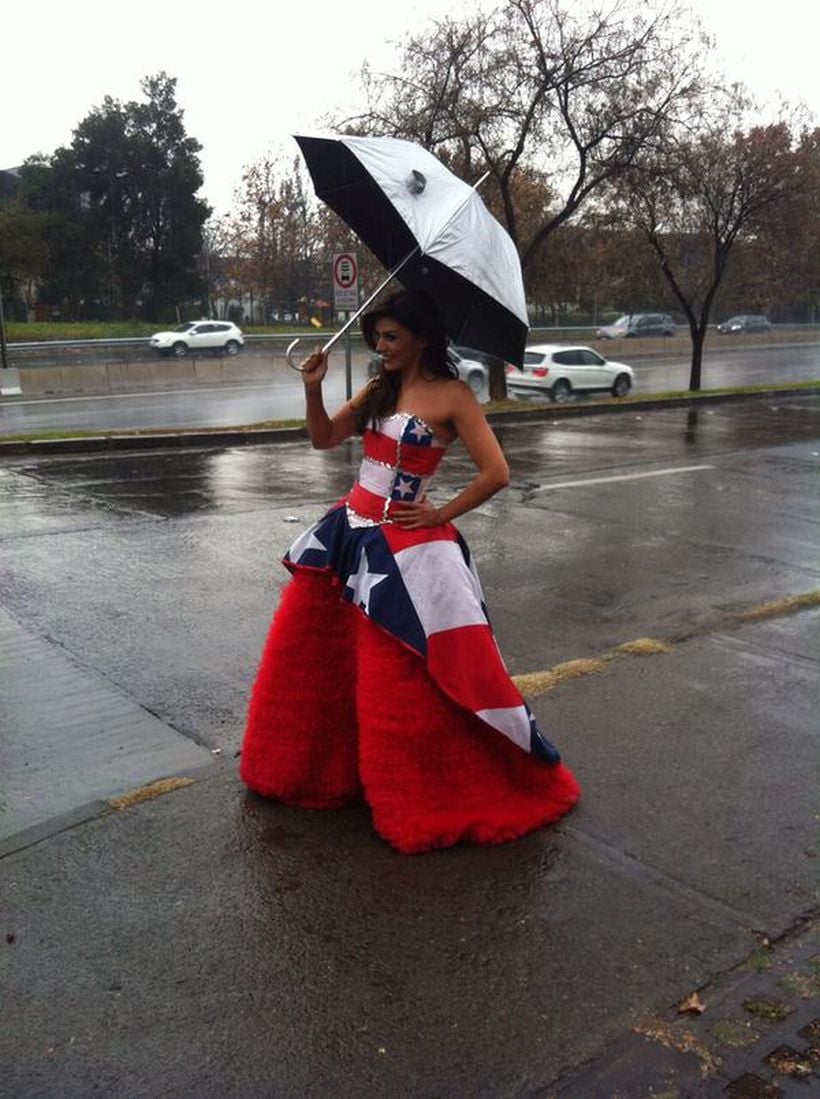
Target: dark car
(632,325)
(745,322)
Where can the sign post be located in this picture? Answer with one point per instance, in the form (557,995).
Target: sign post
(9,379)
(346,299)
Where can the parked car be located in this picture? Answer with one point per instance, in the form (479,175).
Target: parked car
(470,370)
(199,336)
(745,322)
(559,370)
(632,325)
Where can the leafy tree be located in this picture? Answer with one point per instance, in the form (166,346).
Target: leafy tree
(279,242)
(122,221)
(140,173)
(271,236)
(694,199)
(23,253)
(74,275)
(781,264)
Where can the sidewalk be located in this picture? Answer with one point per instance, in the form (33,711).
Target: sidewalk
(208,943)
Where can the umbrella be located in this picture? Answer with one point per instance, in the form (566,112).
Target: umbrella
(431,229)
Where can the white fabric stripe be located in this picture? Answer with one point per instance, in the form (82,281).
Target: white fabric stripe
(441,587)
(391,426)
(513,722)
(380,480)
(376,478)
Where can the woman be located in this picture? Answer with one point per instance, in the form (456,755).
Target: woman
(381,677)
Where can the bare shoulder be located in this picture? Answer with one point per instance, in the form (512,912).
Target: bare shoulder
(463,400)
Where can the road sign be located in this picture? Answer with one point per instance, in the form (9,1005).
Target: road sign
(346,281)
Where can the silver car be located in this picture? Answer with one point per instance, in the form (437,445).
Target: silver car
(634,325)
(558,370)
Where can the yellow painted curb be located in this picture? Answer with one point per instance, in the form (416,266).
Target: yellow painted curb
(152,790)
(644,646)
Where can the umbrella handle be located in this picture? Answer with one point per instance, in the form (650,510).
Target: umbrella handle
(352,319)
(289,355)
(300,366)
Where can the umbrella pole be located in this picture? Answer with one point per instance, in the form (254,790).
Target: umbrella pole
(338,335)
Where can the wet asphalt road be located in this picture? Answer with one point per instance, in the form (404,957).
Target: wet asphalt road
(212,944)
(253,402)
(160,569)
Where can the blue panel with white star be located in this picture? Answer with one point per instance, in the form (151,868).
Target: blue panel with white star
(417,433)
(388,603)
(405,487)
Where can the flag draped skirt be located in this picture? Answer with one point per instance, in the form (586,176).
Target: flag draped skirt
(381,680)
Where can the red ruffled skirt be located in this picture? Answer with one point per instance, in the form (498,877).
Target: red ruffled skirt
(341,710)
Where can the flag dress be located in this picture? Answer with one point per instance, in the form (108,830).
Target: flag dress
(381,678)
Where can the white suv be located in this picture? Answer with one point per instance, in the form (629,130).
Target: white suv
(198,335)
(558,370)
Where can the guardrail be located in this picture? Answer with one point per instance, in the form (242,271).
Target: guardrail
(537,332)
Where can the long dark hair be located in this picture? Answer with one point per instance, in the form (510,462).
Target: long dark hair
(415,310)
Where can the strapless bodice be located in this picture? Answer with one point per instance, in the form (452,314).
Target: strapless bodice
(401,454)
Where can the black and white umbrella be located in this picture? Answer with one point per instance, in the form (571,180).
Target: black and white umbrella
(431,229)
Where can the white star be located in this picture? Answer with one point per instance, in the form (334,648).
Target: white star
(363,581)
(404,487)
(419,430)
(306,541)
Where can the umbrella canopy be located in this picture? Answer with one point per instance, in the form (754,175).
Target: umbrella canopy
(401,201)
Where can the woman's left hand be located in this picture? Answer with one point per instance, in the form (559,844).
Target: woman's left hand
(417,516)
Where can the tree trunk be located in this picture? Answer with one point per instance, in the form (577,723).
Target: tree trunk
(498,381)
(698,337)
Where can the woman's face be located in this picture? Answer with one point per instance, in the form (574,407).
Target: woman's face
(398,346)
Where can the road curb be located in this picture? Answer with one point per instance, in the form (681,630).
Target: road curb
(251,437)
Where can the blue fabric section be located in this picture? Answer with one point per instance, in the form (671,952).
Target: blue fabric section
(417,433)
(540,747)
(405,487)
(388,603)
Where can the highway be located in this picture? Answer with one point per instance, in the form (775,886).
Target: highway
(228,404)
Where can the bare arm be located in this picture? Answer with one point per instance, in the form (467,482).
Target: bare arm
(485,451)
(326,431)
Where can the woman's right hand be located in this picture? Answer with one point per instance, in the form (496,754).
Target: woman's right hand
(314,369)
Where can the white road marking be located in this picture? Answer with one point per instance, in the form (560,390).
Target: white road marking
(621,477)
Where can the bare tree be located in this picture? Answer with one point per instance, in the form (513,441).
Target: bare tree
(574,94)
(694,199)
(539,90)
(272,235)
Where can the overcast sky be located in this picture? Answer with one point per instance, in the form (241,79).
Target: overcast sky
(252,73)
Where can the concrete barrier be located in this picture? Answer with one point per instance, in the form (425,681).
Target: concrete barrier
(127,377)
